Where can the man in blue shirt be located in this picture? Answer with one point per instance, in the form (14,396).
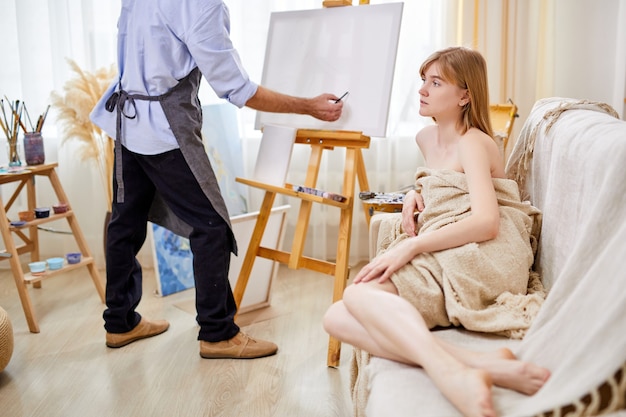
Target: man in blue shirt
(162,172)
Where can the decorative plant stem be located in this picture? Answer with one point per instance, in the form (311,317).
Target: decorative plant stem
(81,94)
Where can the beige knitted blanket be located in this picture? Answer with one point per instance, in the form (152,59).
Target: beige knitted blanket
(480,286)
(486,287)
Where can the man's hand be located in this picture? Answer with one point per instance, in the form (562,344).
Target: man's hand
(326,107)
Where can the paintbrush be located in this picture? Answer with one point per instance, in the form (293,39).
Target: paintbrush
(14,123)
(11,126)
(42,119)
(18,116)
(4,128)
(30,122)
(6,121)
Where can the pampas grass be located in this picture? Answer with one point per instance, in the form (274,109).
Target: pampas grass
(73,106)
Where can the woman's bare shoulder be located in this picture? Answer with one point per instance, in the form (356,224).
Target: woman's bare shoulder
(475,142)
(475,138)
(426,133)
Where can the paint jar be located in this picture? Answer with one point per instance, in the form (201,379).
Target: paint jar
(33,148)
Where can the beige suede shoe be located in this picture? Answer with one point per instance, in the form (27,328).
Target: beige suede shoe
(241,346)
(144,329)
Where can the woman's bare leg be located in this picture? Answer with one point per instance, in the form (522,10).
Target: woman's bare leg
(501,365)
(505,369)
(467,388)
(339,323)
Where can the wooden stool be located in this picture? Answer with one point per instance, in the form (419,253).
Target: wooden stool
(28,234)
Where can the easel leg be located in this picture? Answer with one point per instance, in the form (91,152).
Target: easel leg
(299,237)
(253,247)
(363,182)
(341,277)
(354,162)
(304,215)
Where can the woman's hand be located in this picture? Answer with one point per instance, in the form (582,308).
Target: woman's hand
(384,265)
(413,202)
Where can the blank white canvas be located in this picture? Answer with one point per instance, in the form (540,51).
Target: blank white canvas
(334,50)
(272,162)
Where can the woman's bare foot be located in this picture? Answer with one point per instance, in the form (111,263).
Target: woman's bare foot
(469,390)
(508,372)
(524,377)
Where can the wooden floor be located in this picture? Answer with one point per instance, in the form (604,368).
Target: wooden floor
(66,370)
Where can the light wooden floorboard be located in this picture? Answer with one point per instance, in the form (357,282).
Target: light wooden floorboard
(66,370)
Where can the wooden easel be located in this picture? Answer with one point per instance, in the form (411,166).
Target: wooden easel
(337,3)
(354,168)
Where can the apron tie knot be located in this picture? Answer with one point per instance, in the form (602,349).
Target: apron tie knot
(118,101)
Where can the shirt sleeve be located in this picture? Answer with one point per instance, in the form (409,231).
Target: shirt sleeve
(103,118)
(209,43)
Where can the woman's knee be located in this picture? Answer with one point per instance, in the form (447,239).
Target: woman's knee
(351,291)
(355,294)
(333,317)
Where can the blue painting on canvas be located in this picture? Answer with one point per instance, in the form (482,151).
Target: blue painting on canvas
(174,261)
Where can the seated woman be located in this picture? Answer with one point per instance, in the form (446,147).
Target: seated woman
(467,259)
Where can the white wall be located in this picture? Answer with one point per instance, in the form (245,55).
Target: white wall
(590,50)
(544,48)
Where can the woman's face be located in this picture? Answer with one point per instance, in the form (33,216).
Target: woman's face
(438,97)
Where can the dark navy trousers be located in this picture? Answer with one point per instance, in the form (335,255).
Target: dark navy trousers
(210,242)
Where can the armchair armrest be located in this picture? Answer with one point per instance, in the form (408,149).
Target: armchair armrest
(373,231)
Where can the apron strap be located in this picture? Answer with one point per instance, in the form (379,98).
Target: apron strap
(119,100)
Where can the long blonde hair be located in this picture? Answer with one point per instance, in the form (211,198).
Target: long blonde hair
(468,70)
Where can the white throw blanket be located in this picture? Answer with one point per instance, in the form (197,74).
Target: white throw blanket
(580,333)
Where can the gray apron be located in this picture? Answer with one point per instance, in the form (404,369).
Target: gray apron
(184,114)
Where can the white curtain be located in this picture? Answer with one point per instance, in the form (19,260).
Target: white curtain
(38,36)
(543,48)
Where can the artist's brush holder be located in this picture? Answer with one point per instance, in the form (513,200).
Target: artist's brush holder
(14,156)
(33,148)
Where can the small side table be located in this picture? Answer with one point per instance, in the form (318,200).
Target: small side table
(28,235)
(381,202)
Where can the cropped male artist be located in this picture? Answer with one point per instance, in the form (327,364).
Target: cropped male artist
(162,172)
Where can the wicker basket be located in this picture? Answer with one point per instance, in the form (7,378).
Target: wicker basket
(6,339)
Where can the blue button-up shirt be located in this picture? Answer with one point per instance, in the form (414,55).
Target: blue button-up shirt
(159,43)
